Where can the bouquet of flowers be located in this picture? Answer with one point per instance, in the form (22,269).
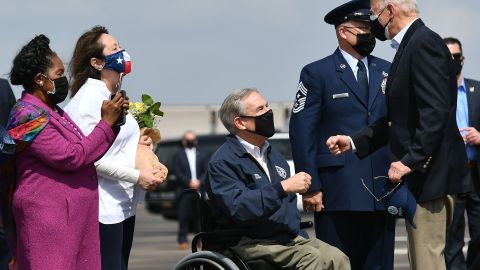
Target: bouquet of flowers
(147,113)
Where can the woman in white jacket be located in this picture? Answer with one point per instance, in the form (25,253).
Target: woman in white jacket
(97,67)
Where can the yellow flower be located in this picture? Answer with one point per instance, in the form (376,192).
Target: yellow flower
(140,107)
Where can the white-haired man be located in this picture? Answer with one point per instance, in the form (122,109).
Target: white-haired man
(427,151)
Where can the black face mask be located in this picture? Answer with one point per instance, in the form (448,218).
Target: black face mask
(190,144)
(60,90)
(264,124)
(457,65)
(378,30)
(365,44)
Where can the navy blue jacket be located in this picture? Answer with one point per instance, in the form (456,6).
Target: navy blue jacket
(420,127)
(241,195)
(328,103)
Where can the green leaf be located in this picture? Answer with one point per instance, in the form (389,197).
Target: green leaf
(148,100)
(155,109)
(148,120)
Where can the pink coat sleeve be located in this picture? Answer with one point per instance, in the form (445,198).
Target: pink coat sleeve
(53,148)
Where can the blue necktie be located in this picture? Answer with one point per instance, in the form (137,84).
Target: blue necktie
(362,80)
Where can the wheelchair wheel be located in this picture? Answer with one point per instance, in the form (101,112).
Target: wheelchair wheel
(206,260)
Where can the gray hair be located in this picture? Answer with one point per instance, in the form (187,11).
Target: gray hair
(233,106)
(407,6)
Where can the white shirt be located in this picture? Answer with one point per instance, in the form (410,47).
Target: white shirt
(397,39)
(192,161)
(118,195)
(352,62)
(257,153)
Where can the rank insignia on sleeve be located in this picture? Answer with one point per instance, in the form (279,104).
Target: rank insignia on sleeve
(281,171)
(300,98)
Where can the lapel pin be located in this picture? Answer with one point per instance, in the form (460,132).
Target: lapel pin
(342,66)
(472,89)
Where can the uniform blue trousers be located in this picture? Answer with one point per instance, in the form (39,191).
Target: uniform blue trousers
(367,238)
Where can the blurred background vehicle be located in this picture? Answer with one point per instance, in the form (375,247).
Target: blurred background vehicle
(163,199)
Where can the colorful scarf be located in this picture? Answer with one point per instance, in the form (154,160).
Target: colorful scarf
(26,121)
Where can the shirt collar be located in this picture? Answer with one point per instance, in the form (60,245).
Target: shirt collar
(100,83)
(462,85)
(190,150)
(253,149)
(397,39)
(352,61)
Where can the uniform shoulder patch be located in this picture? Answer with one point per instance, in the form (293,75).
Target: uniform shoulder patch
(281,171)
(300,98)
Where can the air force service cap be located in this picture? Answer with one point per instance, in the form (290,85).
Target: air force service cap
(358,10)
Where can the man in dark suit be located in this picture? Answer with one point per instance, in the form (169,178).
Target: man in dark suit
(343,93)
(7,100)
(190,167)
(427,151)
(468,121)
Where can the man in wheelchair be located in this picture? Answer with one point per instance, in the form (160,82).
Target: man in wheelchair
(249,187)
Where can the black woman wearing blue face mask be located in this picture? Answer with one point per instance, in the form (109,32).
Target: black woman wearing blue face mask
(55,201)
(97,67)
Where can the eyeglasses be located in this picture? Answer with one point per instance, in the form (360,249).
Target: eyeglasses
(374,17)
(358,27)
(386,194)
(457,55)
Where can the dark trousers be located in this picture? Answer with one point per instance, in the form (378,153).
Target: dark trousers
(367,238)
(188,208)
(5,255)
(470,203)
(116,243)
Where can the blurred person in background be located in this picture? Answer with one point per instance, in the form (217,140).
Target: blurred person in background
(190,166)
(97,67)
(55,202)
(468,121)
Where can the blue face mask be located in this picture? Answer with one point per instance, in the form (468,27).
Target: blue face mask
(119,61)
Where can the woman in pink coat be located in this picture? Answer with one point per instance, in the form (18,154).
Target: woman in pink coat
(55,202)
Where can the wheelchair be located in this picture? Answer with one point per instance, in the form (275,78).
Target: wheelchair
(211,246)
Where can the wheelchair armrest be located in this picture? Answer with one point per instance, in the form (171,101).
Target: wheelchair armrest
(218,240)
(306,224)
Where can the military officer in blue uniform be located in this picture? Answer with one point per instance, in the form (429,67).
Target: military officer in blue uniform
(340,94)
(250,187)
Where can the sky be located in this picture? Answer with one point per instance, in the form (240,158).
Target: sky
(197,51)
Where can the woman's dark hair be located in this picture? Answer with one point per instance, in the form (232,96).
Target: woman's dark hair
(33,58)
(87,47)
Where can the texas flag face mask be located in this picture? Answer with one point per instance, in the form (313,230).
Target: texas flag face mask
(119,61)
